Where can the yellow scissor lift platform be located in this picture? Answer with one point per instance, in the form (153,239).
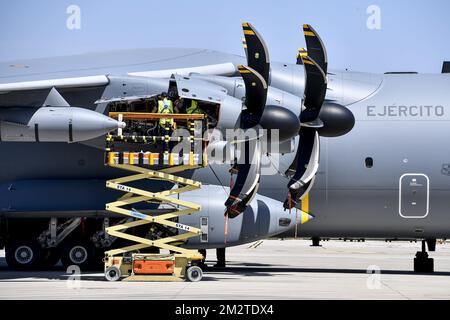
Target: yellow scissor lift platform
(127,262)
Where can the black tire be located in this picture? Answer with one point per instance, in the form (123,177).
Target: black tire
(23,254)
(113,274)
(194,274)
(78,253)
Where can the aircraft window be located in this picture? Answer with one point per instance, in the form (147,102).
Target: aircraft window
(284,222)
(185,90)
(369,162)
(204,237)
(204,221)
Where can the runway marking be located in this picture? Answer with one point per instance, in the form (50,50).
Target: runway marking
(254,245)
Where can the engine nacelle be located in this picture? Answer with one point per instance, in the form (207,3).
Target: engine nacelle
(263,218)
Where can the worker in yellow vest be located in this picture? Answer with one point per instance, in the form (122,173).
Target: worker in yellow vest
(165,106)
(192,108)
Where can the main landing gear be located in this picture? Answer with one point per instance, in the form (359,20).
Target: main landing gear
(315,242)
(220,255)
(423,263)
(221,260)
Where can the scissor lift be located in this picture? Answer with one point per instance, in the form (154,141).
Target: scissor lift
(128,262)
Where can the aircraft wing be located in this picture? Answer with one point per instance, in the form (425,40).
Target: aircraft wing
(91,69)
(28,82)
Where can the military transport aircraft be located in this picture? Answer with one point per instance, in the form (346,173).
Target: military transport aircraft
(363,154)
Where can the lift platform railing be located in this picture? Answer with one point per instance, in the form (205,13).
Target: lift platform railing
(155,159)
(155,116)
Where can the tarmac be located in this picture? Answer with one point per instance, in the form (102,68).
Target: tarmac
(269,269)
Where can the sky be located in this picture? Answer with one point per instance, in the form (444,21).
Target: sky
(404,36)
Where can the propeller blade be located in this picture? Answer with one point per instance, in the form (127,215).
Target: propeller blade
(255,96)
(306,163)
(295,197)
(244,44)
(301,53)
(248,177)
(308,159)
(256,51)
(315,90)
(314,96)
(316,48)
(305,145)
(248,167)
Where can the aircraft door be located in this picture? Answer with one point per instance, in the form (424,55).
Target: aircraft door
(414,195)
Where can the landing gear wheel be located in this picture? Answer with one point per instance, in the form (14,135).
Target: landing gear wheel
(23,255)
(194,274)
(112,273)
(78,253)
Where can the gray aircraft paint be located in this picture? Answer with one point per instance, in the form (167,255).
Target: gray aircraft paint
(347,199)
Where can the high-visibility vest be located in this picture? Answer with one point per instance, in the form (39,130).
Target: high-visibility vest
(165,106)
(193,108)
